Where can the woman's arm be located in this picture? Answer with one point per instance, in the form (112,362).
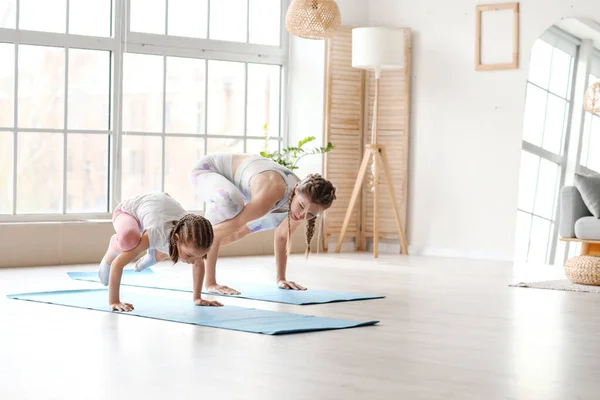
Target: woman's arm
(280,244)
(116,271)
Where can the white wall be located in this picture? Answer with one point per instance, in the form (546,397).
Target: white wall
(466,125)
(307,84)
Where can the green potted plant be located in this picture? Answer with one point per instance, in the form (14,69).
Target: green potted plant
(291,155)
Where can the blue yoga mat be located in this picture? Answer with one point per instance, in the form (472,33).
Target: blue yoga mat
(184,311)
(252,291)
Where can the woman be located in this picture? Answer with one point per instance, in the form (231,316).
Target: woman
(246,193)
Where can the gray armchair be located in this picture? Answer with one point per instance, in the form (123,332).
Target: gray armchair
(576,221)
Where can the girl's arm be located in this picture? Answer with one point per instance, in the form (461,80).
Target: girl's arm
(198,278)
(280,245)
(116,271)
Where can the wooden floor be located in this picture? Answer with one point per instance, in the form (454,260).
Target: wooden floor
(450,329)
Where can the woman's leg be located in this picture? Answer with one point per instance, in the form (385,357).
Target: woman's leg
(223,201)
(268,222)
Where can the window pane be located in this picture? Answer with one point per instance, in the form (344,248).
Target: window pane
(148,16)
(228,20)
(87,173)
(556,116)
(7,84)
(539,65)
(263,100)
(255,146)
(41,87)
(265,21)
(6,172)
(585,139)
(142,93)
(226,98)
(181,154)
(8,14)
(546,190)
(522,236)
(527,180)
(89,89)
(188,18)
(90,17)
(535,112)
(39,173)
(561,73)
(225,146)
(186,86)
(594,150)
(540,231)
(43,15)
(142,165)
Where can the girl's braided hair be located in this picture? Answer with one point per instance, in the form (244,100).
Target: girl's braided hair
(193,229)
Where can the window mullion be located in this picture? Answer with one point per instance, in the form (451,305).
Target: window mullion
(65,122)
(121,27)
(245,106)
(164,125)
(15,124)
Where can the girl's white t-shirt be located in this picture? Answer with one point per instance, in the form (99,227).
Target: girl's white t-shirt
(156,213)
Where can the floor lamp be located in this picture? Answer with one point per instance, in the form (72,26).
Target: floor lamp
(376,49)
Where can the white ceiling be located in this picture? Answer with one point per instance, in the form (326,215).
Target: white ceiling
(582,28)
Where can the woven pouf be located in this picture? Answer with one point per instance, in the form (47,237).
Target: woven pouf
(584,270)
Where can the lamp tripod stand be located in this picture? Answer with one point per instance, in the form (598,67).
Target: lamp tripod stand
(376,153)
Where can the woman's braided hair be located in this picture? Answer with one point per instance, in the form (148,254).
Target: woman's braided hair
(193,229)
(320,191)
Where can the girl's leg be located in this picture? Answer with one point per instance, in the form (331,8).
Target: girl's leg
(127,237)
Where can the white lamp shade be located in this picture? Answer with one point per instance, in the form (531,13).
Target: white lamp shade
(378,48)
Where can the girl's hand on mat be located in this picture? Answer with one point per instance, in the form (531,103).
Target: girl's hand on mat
(121,307)
(202,302)
(221,289)
(283,284)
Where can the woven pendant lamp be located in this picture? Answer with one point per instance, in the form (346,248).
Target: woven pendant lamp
(313,19)
(591,102)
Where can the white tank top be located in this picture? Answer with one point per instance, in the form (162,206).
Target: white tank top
(156,213)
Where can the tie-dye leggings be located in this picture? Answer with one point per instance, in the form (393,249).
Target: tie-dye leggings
(213,182)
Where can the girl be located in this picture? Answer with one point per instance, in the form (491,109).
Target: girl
(246,193)
(155,221)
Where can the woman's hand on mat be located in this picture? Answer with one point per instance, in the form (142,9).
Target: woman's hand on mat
(283,284)
(202,302)
(221,289)
(121,307)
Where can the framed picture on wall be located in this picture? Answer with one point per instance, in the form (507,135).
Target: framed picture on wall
(497,36)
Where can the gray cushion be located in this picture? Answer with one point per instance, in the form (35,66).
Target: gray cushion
(589,187)
(572,208)
(588,228)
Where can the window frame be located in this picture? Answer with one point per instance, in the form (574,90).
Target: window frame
(556,38)
(121,41)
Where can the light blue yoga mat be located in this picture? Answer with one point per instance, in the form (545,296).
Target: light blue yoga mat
(184,311)
(252,291)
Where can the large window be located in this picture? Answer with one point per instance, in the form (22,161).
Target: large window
(100,100)
(546,120)
(589,161)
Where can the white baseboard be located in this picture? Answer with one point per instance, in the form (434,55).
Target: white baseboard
(393,247)
(477,254)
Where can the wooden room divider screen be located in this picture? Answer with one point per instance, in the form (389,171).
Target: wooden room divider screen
(349,96)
